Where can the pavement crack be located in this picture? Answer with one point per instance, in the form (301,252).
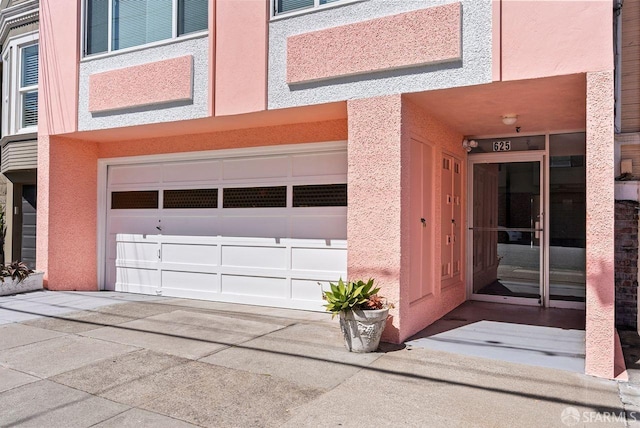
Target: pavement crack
(629,395)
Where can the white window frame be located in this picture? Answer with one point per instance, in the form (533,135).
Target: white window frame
(11,89)
(174,33)
(316,7)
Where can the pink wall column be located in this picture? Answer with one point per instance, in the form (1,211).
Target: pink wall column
(67,220)
(57,114)
(600,321)
(374,192)
(241,56)
(42,225)
(58,67)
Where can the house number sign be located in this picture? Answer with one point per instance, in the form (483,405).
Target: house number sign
(501,146)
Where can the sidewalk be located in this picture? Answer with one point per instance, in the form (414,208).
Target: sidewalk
(162,362)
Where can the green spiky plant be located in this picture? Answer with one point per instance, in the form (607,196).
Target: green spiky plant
(351,295)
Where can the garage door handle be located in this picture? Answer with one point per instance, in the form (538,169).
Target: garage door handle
(159,228)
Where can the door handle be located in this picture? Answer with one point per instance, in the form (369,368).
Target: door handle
(537,229)
(424,222)
(159,228)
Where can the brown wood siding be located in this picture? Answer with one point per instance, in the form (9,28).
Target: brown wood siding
(630,69)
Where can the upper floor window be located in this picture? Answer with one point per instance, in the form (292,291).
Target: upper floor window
(29,85)
(20,85)
(112,25)
(284,6)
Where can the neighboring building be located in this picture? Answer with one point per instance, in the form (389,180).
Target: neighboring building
(244,151)
(19,31)
(627,162)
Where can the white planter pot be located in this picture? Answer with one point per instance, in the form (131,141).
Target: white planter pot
(362,329)
(31,283)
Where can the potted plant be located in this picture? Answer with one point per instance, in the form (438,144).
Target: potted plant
(363,314)
(18,278)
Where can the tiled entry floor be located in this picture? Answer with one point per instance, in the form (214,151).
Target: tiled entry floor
(553,338)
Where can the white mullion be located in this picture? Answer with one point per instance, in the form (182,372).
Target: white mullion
(5,92)
(110,26)
(15,115)
(316,3)
(83,28)
(174,19)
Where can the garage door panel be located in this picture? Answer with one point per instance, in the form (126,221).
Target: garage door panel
(261,230)
(200,225)
(250,169)
(189,254)
(127,277)
(123,175)
(319,259)
(304,289)
(255,226)
(261,257)
(321,164)
(200,171)
(319,227)
(141,224)
(187,282)
(137,251)
(255,286)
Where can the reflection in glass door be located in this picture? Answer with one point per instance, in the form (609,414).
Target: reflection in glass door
(567,219)
(506,229)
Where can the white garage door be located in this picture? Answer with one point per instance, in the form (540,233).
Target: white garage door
(260,230)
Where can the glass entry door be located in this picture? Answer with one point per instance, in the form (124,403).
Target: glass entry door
(506,233)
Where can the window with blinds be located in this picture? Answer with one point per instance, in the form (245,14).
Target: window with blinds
(284,6)
(29,85)
(138,22)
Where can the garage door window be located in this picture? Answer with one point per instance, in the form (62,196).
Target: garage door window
(145,199)
(255,197)
(320,195)
(191,198)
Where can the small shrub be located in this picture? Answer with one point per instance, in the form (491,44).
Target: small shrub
(17,271)
(351,295)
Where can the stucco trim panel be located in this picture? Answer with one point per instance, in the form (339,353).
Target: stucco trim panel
(142,85)
(421,37)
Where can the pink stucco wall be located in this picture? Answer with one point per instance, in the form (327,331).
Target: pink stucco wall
(420,37)
(548,38)
(141,85)
(417,123)
(241,56)
(374,193)
(600,321)
(57,114)
(58,66)
(333,130)
(496,40)
(67,213)
(42,225)
(212,56)
(380,130)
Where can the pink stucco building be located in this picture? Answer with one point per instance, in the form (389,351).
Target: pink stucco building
(244,151)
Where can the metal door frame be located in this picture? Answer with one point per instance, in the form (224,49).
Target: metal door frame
(511,157)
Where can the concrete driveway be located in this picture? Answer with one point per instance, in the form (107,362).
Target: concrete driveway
(117,360)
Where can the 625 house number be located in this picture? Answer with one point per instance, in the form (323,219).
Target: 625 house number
(501,146)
